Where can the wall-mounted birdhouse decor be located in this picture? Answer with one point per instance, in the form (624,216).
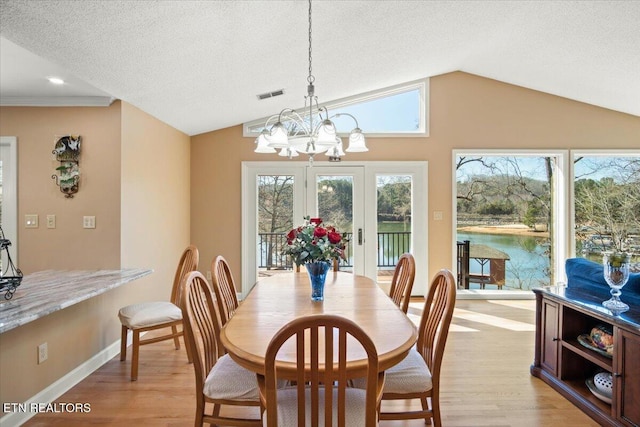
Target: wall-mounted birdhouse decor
(67,152)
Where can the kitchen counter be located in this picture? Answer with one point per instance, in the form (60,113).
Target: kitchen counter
(46,292)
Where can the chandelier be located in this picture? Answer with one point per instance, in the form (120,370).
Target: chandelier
(310,130)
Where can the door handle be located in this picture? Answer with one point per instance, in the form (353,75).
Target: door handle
(360,236)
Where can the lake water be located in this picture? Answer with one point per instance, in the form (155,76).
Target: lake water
(528,266)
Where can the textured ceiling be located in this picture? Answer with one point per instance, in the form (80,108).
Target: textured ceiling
(198,65)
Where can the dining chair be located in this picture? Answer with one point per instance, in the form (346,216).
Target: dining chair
(152,315)
(418,375)
(224,288)
(219,380)
(307,403)
(402,281)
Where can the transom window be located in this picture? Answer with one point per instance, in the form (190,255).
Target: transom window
(395,111)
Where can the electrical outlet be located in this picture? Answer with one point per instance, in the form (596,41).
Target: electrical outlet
(43,352)
(437,215)
(31,221)
(208,274)
(89,222)
(51,221)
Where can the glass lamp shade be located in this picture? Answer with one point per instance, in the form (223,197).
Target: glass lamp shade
(278,136)
(357,143)
(262,145)
(326,133)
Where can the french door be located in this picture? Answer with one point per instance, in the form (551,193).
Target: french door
(380,205)
(336,194)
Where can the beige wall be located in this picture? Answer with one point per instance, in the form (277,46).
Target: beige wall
(466,111)
(68,245)
(155,199)
(135,180)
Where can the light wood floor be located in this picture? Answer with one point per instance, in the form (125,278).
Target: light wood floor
(485,382)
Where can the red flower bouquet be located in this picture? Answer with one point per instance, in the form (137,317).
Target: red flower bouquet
(314,241)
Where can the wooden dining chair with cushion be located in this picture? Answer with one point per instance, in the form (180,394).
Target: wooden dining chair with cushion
(149,316)
(402,281)
(219,380)
(418,375)
(319,376)
(224,287)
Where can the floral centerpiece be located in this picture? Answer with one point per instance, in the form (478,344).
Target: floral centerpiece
(316,246)
(314,241)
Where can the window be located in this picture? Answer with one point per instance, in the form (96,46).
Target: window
(510,208)
(606,203)
(395,111)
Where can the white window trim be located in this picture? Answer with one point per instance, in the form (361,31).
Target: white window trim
(562,232)
(10,193)
(423,129)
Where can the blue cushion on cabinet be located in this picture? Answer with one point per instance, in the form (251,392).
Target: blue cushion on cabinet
(582,272)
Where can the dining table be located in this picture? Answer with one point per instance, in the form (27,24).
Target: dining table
(276,300)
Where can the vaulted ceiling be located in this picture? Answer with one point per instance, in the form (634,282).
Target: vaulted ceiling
(199,65)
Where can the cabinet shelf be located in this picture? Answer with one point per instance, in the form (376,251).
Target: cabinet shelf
(581,388)
(604,362)
(565,364)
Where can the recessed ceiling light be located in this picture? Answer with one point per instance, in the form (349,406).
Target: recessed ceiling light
(56,80)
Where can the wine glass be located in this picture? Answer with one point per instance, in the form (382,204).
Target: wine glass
(616,274)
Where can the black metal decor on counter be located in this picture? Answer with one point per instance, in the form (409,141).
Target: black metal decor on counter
(11,277)
(67,152)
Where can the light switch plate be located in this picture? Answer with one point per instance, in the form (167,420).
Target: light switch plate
(89,222)
(437,215)
(51,221)
(31,221)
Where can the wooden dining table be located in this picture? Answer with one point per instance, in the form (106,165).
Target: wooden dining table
(276,300)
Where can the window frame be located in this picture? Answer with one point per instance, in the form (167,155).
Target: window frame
(561,207)
(422,85)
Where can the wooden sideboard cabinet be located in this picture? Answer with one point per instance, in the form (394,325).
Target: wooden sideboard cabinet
(562,314)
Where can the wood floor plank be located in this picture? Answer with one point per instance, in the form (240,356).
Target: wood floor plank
(485,380)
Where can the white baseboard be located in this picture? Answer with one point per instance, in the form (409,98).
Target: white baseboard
(61,386)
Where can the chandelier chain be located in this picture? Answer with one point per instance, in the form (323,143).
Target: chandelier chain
(307,131)
(310,79)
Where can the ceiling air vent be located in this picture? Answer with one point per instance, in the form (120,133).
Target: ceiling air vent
(271,94)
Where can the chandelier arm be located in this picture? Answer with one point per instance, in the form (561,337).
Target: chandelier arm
(283,112)
(295,117)
(346,114)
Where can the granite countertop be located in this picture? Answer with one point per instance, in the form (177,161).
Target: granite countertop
(48,291)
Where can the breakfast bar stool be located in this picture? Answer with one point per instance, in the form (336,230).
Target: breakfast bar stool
(148,316)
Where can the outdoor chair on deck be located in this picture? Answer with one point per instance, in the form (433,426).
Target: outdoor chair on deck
(402,281)
(219,380)
(148,316)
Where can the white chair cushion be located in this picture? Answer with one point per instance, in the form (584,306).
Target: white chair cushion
(288,407)
(411,375)
(147,314)
(228,380)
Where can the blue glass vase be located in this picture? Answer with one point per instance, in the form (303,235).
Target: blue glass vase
(317,271)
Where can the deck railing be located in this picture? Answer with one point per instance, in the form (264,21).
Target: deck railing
(391,245)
